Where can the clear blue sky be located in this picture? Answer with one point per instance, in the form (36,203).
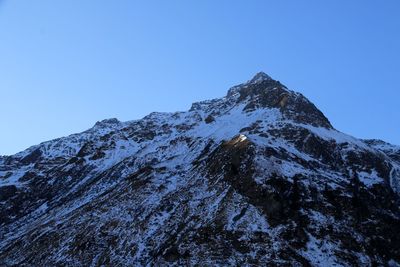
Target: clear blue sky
(66,64)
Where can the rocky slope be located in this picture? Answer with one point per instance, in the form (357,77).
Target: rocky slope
(258,177)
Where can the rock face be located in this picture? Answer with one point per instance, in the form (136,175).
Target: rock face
(259,177)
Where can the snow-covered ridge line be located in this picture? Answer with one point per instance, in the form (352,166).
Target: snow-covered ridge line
(258,177)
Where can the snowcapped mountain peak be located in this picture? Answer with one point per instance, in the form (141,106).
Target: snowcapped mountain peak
(257,178)
(257,79)
(264,92)
(260,77)
(107,123)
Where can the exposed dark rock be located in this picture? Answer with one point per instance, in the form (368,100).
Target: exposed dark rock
(209,119)
(32,157)
(7,192)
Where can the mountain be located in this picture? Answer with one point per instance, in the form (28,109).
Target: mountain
(258,177)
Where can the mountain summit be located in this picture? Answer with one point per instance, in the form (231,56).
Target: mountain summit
(260,77)
(264,92)
(258,177)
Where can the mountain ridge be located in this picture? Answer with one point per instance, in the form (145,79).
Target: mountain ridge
(231,91)
(257,177)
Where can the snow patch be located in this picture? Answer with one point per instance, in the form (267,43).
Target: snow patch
(369,179)
(321,252)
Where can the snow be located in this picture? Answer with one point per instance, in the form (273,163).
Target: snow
(246,218)
(42,208)
(242,138)
(229,125)
(259,77)
(393,263)
(321,252)
(370,179)
(331,134)
(15,176)
(395,178)
(383,146)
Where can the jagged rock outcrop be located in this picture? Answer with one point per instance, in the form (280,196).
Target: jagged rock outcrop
(258,177)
